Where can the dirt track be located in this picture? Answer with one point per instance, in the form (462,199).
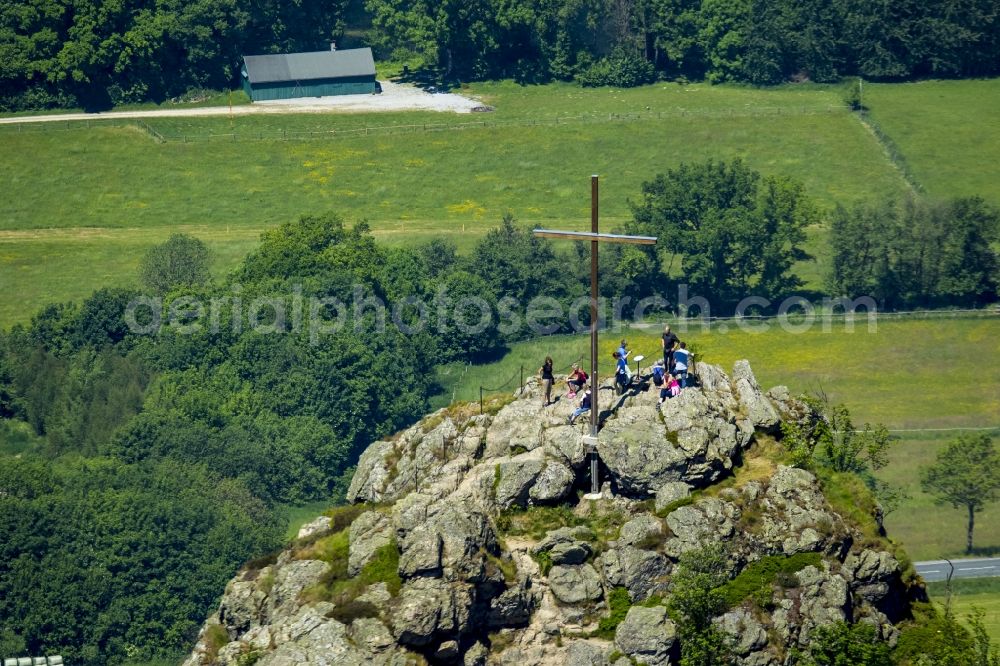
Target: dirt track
(394,97)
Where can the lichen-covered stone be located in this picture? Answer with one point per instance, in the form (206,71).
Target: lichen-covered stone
(755,404)
(643,529)
(476,655)
(570,552)
(290,580)
(421,554)
(744,634)
(575,584)
(515,478)
(512,608)
(370,531)
(671,492)
(636,450)
(553,483)
(641,572)
(647,635)
(707,521)
(587,653)
(430,607)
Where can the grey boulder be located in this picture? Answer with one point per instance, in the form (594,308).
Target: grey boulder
(671,492)
(575,584)
(370,531)
(647,635)
(428,607)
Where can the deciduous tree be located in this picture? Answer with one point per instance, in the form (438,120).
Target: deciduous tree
(739,233)
(181,261)
(916,253)
(965,475)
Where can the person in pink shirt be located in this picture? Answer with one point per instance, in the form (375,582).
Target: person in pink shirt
(671,389)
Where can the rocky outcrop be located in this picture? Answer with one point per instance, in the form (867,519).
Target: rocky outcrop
(745,636)
(707,521)
(451,560)
(694,438)
(641,572)
(429,608)
(757,407)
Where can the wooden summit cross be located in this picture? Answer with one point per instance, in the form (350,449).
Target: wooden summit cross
(595,238)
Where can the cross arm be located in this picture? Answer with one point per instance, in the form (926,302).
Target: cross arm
(590,236)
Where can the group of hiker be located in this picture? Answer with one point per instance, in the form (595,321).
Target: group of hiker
(669,374)
(575,382)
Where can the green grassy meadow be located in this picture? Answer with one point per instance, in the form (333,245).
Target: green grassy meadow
(84,202)
(929,530)
(909,375)
(877,375)
(979,593)
(946,131)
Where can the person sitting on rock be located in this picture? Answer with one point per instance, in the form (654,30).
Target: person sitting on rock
(577,378)
(584,407)
(671,389)
(659,372)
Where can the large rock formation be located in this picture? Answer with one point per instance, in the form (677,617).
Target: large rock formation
(473,547)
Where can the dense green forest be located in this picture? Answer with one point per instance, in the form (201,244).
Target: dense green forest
(96,53)
(138,471)
(147,438)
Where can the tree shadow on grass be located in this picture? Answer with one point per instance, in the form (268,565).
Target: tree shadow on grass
(984,551)
(429,79)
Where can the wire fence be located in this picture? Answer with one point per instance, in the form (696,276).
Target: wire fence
(682,323)
(821,316)
(485,392)
(954,429)
(36,127)
(163,135)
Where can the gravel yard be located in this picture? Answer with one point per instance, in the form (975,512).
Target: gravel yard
(394,97)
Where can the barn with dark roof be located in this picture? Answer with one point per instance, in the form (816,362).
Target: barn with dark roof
(315,74)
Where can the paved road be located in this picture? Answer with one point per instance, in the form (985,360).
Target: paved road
(966,568)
